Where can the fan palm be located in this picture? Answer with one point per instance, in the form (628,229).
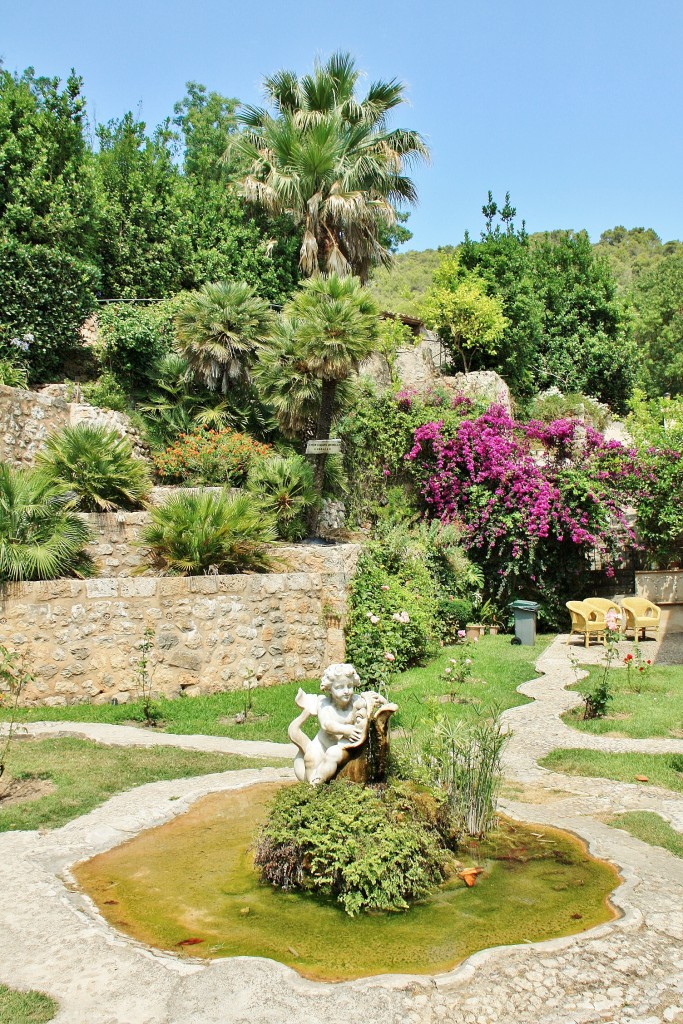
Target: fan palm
(218,330)
(200,532)
(285,487)
(41,537)
(286,383)
(97,465)
(327,159)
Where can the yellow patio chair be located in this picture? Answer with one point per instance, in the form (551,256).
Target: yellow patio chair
(604,605)
(586,621)
(641,615)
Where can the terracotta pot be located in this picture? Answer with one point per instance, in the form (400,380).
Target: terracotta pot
(493,630)
(474,631)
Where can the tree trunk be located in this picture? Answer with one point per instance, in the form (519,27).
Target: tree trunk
(322,433)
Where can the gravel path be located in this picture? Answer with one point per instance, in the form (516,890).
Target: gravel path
(629,971)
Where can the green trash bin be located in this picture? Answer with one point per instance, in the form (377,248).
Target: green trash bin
(525,621)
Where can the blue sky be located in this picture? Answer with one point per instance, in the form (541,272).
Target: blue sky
(572,105)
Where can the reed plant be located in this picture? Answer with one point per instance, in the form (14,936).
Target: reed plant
(466,761)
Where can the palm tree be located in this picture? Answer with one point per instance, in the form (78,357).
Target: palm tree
(218,330)
(289,387)
(337,325)
(198,532)
(42,537)
(326,158)
(97,465)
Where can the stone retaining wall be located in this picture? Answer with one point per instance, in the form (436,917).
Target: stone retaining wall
(116,550)
(81,638)
(27,417)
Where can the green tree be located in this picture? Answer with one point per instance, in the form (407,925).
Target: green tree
(230,239)
(326,158)
(337,329)
(469,321)
(144,239)
(47,275)
(658,326)
(586,345)
(218,330)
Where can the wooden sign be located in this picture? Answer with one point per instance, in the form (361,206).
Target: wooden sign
(331,447)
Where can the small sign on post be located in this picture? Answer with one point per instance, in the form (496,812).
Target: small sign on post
(330,447)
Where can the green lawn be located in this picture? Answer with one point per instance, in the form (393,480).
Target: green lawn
(651,705)
(660,769)
(25,1007)
(652,829)
(501,666)
(85,774)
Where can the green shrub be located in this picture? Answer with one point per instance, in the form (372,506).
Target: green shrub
(392,622)
(453,614)
(286,490)
(553,405)
(396,597)
(98,466)
(345,841)
(47,293)
(13,376)
(210,457)
(197,533)
(106,393)
(41,537)
(134,336)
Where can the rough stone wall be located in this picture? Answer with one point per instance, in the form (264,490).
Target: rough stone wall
(116,550)
(81,637)
(27,417)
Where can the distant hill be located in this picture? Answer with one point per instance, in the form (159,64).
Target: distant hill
(631,254)
(400,288)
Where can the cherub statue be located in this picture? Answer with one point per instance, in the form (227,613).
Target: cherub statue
(344,718)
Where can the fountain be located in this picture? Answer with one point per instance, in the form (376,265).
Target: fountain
(190,886)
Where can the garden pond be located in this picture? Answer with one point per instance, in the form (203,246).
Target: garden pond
(190,887)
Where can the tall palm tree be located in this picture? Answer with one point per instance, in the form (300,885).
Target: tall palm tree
(336,329)
(286,383)
(326,158)
(218,330)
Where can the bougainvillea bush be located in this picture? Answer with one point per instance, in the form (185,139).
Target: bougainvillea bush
(221,457)
(540,504)
(378,431)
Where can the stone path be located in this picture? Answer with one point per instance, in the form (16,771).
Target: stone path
(629,971)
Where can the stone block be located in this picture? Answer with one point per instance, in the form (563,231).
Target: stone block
(101,588)
(203,584)
(145,586)
(184,659)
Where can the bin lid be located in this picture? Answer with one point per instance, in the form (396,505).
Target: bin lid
(524,606)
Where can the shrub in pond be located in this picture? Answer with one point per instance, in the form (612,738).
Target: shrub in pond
(370,849)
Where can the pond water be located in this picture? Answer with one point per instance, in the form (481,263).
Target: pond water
(190,886)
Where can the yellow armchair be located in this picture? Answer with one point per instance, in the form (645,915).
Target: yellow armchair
(586,621)
(641,615)
(604,605)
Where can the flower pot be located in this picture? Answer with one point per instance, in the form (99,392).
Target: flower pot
(493,630)
(474,631)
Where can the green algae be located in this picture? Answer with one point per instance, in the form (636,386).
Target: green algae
(190,886)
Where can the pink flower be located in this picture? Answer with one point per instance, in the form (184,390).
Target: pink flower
(611,619)
(389,656)
(462,633)
(373,618)
(384,586)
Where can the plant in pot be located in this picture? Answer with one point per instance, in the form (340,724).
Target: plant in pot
(489,618)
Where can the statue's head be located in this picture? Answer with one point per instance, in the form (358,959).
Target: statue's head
(339,682)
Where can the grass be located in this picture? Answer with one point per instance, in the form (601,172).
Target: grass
(651,828)
(502,666)
(85,774)
(651,704)
(25,1007)
(660,769)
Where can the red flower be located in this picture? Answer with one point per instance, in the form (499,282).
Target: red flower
(629,657)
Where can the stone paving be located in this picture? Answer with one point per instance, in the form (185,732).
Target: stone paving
(629,971)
